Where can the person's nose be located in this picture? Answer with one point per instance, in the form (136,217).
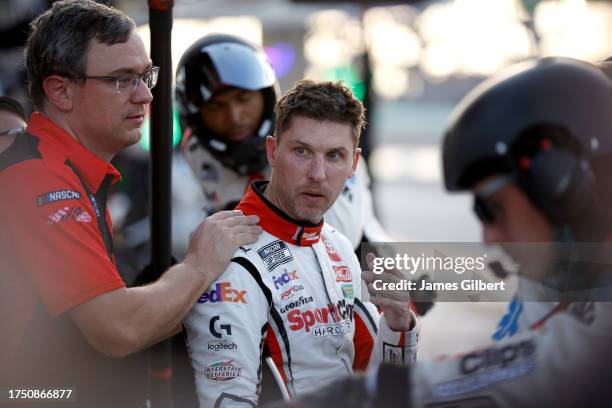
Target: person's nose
(316,169)
(142,94)
(234,113)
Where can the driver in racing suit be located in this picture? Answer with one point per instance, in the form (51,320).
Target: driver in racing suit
(225,93)
(298,288)
(534,146)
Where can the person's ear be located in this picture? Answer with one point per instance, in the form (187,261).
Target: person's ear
(356,157)
(271,146)
(59,92)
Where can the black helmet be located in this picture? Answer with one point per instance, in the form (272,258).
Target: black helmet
(548,124)
(219,61)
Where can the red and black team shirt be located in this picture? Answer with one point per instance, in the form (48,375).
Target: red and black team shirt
(55,253)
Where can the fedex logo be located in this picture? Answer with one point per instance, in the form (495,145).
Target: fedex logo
(223,292)
(320,315)
(284,278)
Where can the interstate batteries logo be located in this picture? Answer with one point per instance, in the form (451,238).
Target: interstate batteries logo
(274,254)
(223,371)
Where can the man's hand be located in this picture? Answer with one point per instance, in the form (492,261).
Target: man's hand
(216,239)
(395,304)
(125,320)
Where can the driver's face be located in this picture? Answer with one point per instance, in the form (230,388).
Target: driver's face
(520,228)
(233,114)
(516,219)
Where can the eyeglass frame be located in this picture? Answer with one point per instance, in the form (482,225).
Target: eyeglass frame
(136,78)
(484,209)
(13,131)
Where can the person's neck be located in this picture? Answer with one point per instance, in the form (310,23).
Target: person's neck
(63,121)
(271,194)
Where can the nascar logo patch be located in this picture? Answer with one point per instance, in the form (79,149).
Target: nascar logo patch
(274,254)
(59,195)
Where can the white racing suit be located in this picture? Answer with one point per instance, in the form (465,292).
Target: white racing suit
(352,213)
(296,290)
(545,354)
(550,354)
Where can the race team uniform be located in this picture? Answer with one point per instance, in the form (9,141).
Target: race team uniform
(352,213)
(296,290)
(56,252)
(547,354)
(558,356)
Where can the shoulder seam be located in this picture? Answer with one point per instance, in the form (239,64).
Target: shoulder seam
(23,148)
(250,268)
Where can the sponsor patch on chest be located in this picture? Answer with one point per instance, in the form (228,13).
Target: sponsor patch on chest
(54,196)
(343,274)
(66,214)
(274,254)
(223,371)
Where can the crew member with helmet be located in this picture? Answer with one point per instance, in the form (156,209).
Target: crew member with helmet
(534,146)
(225,94)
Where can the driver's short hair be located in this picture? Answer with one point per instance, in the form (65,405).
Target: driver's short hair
(323,101)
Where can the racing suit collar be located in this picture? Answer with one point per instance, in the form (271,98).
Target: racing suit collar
(91,167)
(275,221)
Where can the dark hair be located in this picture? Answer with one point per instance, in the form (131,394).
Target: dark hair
(320,101)
(59,40)
(11,105)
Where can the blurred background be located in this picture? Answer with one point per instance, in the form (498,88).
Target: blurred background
(410,63)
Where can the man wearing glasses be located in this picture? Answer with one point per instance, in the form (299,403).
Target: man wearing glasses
(66,314)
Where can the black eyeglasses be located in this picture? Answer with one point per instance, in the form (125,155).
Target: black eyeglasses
(126,82)
(483,207)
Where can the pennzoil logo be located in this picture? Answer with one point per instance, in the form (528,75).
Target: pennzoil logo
(223,371)
(274,254)
(59,195)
